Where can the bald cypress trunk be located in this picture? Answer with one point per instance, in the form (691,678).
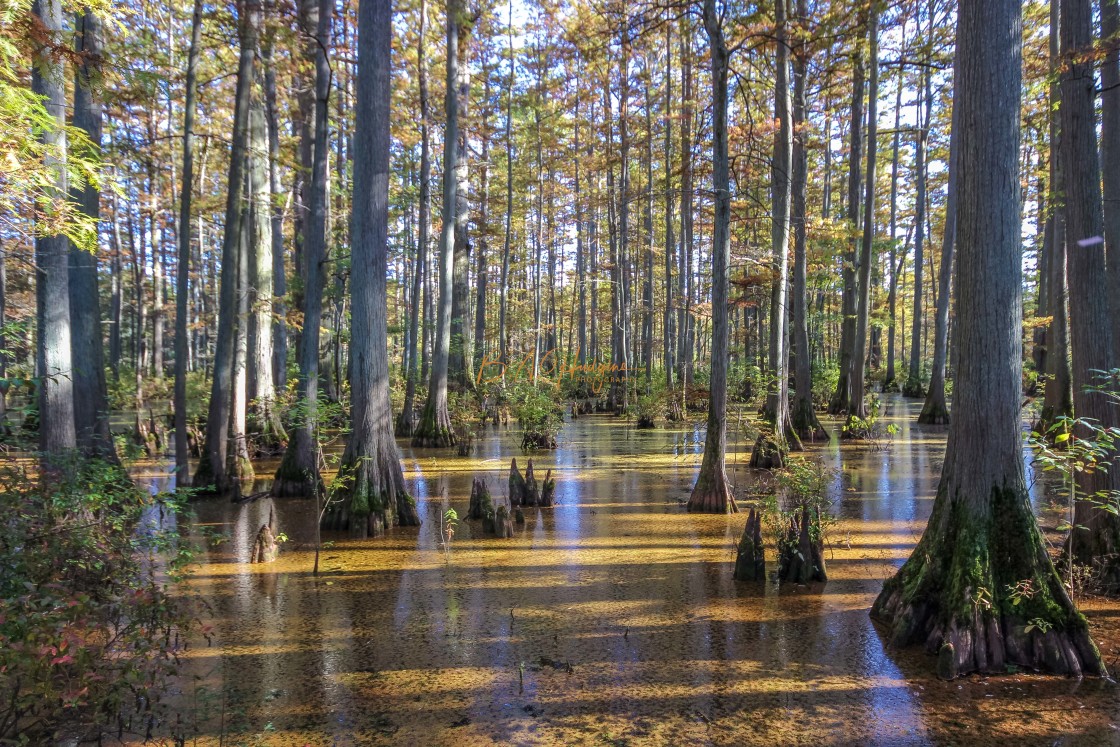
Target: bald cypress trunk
(298,474)
(712,493)
(91,402)
(803,416)
(182,275)
(52,253)
(265,418)
(372,492)
(1091,321)
(858,403)
(935,411)
(841,400)
(1058,395)
(913,386)
(213,467)
(770,448)
(406,419)
(435,422)
(957,594)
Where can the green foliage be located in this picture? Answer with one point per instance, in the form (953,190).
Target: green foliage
(807,483)
(825,379)
(539,415)
(746,382)
(869,429)
(651,407)
(89,630)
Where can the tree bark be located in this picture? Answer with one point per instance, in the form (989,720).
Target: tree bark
(298,474)
(712,493)
(52,253)
(435,422)
(803,415)
(913,386)
(91,402)
(268,430)
(182,275)
(935,411)
(784,437)
(841,400)
(858,403)
(1091,322)
(372,492)
(959,591)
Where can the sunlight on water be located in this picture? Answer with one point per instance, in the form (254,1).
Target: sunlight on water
(609,619)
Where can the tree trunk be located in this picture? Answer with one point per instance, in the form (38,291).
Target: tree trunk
(407,417)
(435,422)
(460,360)
(298,474)
(668,328)
(841,400)
(91,402)
(279,270)
(935,411)
(803,415)
(373,495)
(858,404)
(1110,152)
(268,430)
(1090,316)
(712,493)
(960,592)
(52,253)
(913,386)
(1058,396)
(770,449)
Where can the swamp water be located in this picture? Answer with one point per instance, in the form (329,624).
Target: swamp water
(611,619)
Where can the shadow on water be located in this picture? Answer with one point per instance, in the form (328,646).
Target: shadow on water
(610,619)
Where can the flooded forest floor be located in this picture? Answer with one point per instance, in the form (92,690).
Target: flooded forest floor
(610,619)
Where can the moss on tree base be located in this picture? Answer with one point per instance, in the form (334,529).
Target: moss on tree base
(298,475)
(768,453)
(434,429)
(369,496)
(983,595)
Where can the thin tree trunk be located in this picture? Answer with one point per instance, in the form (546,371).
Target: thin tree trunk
(803,416)
(182,275)
(858,403)
(435,422)
(712,493)
(841,400)
(279,271)
(935,411)
(913,386)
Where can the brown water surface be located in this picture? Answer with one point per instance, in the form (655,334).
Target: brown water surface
(609,619)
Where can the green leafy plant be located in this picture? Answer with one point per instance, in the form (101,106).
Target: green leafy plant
(89,628)
(539,416)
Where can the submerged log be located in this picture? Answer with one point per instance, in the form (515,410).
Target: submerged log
(548,490)
(750,560)
(481,503)
(800,556)
(516,485)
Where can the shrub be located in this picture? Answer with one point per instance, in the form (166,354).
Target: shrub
(539,415)
(88,630)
